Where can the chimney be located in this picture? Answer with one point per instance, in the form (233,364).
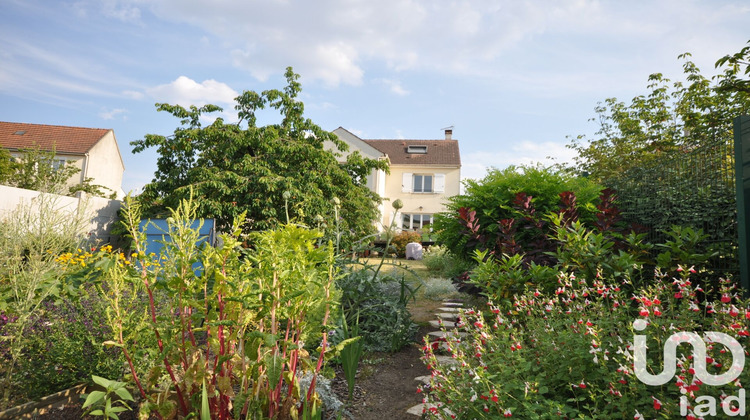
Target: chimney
(448,133)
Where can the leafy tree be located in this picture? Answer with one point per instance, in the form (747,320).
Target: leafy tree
(7,166)
(36,170)
(672,118)
(493,197)
(734,62)
(268,172)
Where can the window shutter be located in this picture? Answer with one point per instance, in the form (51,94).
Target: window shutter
(439,186)
(406,182)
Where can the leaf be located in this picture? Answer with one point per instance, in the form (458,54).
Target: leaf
(274,367)
(124,394)
(101,381)
(205,411)
(93,398)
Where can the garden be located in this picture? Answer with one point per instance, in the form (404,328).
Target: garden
(577,294)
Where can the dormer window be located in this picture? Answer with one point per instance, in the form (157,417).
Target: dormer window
(422,150)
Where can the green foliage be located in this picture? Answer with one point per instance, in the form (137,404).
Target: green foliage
(730,79)
(235,330)
(64,347)
(241,168)
(492,198)
(7,166)
(401,239)
(35,170)
(568,353)
(351,353)
(31,237)
(671,118)
(377,302)
(438,259)
(502,278)
(592,254)
(109,402)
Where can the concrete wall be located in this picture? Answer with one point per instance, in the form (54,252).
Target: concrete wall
(100,212)
(105,164)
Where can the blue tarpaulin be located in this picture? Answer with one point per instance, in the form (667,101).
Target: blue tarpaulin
(157,232)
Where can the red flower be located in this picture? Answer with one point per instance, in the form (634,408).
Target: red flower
(657,404)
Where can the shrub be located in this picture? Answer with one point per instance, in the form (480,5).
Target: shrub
(65,347)
(402,238)
(569,353)
(492,198)
(230,336)
(439,260)
(378,302)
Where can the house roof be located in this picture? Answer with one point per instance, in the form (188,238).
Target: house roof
(439,152)
(72,140)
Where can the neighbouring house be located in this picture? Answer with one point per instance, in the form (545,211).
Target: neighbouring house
(92,150)
(423,174)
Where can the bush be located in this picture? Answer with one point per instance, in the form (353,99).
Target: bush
(402,238)
(65,347)
(378,302)
(569,353)
(492,198)
(439,260)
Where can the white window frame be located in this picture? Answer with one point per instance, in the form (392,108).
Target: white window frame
(408,181)
(420,225)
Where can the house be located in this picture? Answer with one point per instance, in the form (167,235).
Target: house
(423,175)
(92,150)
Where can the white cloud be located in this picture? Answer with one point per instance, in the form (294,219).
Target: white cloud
(185,91)
(394,86)
(112,113)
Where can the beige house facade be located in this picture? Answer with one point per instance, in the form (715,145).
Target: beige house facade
(423,175)
(92,150)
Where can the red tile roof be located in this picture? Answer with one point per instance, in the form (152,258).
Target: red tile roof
(439,152)
(73,140)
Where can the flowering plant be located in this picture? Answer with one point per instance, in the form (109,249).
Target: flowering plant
(570,353)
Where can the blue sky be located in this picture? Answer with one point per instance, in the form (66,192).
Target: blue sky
(513,77)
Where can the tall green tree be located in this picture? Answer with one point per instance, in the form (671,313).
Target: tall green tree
(266,171)
(672,118)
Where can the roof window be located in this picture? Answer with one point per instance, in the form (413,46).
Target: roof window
(422,150)
(20,132)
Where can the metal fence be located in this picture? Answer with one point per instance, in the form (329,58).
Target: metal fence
(695,188)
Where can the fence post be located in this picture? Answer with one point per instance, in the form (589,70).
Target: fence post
(742,176)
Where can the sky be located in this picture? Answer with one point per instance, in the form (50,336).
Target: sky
(515,79)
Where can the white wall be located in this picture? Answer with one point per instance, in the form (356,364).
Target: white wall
(100,212)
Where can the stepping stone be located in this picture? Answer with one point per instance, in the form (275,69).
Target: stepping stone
(445,324)
(419,409)
(446,360)
(457,304)
(447,316)
(449,309)
(424,379)
(444,334)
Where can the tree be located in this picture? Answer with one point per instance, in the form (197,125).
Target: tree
(37,170)
(734,62)
(268,172)
(674,117)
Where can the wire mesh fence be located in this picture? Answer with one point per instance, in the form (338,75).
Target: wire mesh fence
(695,188)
